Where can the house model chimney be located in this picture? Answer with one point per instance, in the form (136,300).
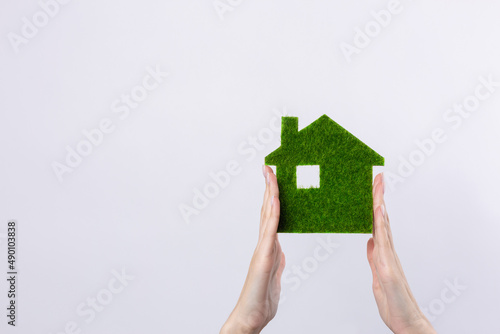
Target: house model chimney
(289,129)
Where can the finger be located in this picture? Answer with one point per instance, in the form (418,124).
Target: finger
(381,200)
(272,183)
(277,257)
(282,266)
(391,240)
(378,201)
(267,171)
(369,254)
(378,193)
(376,182)
(278,261)
(272,191)
(276,252)
(263,211)
(386,260)
(271,227)
(372,254)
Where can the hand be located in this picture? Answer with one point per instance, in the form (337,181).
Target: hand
(260,295)
(395,302)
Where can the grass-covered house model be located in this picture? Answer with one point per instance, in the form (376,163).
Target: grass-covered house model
(342,201)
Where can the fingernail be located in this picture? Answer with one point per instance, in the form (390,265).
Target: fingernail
(383,183)
(272,201)
(264,170)
(267,177)
(382,208)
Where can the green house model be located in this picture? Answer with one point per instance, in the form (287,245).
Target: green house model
(342,201)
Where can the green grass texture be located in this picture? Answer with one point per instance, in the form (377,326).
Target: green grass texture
(343,201)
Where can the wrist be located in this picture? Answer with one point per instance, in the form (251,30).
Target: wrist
(422,327)
(233,326)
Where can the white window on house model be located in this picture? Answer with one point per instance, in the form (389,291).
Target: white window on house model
(308,176)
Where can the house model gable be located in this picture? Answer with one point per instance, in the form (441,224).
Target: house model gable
(342,202)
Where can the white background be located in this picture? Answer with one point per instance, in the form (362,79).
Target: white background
(119,209)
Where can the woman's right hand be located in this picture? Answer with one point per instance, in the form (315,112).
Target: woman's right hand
(396,304)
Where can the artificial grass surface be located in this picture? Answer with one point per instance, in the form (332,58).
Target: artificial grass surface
(343,202)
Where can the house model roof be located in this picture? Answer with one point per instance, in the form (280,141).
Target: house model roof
(321,141)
